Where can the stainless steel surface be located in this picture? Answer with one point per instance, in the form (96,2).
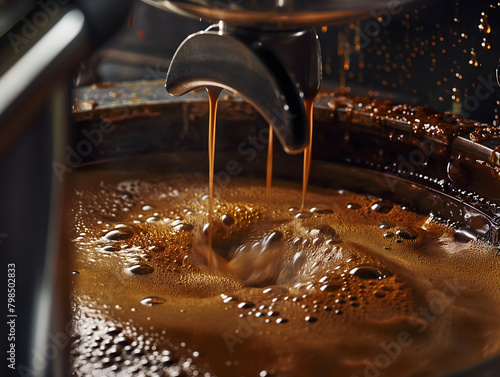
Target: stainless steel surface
(52,306)
(38,55)
(11,11)
(33,63)
(29,77)
(47,60)
(274,14)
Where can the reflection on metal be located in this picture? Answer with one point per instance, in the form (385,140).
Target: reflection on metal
(269,14)
(26,84)
(33,63)
(498,75)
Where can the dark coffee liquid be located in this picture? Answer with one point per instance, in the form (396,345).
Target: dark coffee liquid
(359,287)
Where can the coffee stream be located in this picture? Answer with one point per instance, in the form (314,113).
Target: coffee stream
(309,105)
(213,99)
(269,169)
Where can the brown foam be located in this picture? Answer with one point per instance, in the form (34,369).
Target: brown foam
(349,291)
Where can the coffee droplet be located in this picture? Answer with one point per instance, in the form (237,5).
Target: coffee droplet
(407,233)
(110,248)
(485,44)
(228,219)
(183,227)
(156,248)
(114,330)
(382,206)
(303,215)
(141,269)
(274,237)
(353,206)
(386,225)
(311,319)
(473,59)
(464,236)
(484,25)
(152,300)
(275,289)
(321,211)
(325,230)
(330,287)
(369,272)
(119,234)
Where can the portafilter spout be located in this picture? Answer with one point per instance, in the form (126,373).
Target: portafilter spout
(265,50)
(272,71)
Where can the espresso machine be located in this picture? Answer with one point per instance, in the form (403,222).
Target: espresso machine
(272,53)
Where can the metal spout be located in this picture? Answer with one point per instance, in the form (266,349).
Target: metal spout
(274,71)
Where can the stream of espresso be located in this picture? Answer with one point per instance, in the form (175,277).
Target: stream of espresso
(269,169)
(213,97)
(213,100)
(309,106)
